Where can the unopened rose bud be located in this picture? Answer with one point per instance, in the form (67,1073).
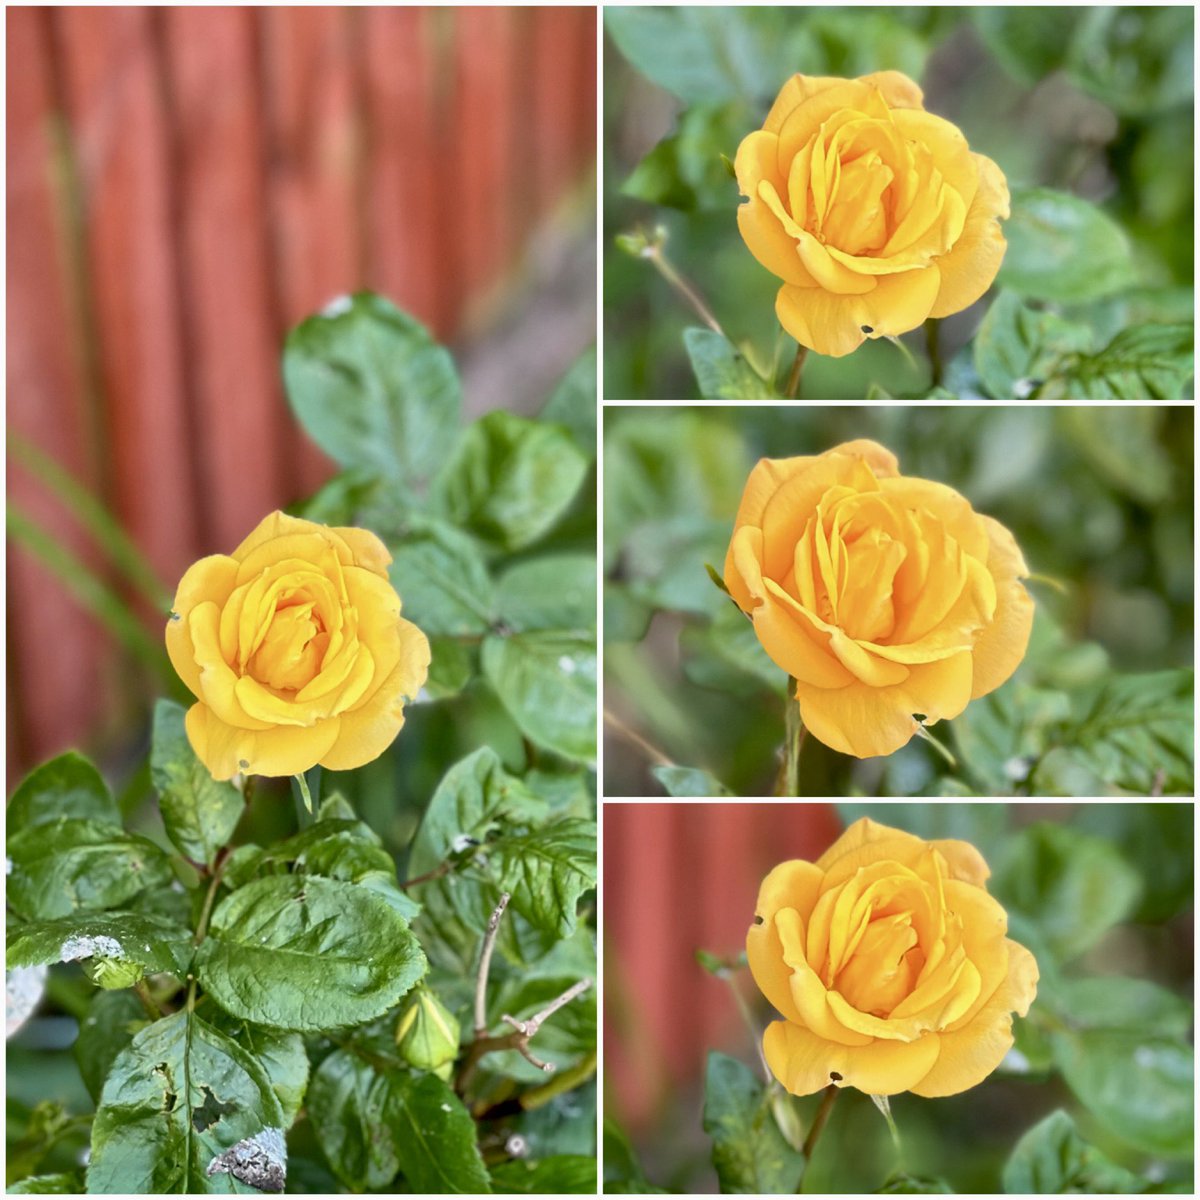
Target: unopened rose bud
(427,1034)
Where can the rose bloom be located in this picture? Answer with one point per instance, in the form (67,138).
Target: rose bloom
(888,599)
(889,962)
(295,650)
(873,212)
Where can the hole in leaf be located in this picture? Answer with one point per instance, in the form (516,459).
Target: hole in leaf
(210,1112)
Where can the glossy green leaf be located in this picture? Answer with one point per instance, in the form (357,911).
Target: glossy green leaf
(749,1151)
(64,1184)
(547,682)
(334,849)
(557,591)
(79,865)
(1072,886)
(1029,42)
(1052,1159)
(1137,733)
(373,389)
(573,402)
(686,169)
(546,870)
(200,813)
(443,581)
(154,943)
(451,666)
(186,1109)
(1018,347)
(473,797)
(1124,444)
(372,1124)
(67,786)
(904,1184)
(1114,1002)
(109,1025)
(722,372)
(306,953)
(1139,1084)
(1061,247)
(572,1174)
(689,781)
(281,1055)
(510,478)
(1143,362)
(1001,735)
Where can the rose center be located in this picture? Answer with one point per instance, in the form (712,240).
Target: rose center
(291,651)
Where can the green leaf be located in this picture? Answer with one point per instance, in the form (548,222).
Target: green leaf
(1113,1002)
(1137,734)
(309,954)
(1017,347)
(67,786)
(186,1109)
(474,796)
(704,55)
(443,581)
(47,1185)
(1052,1159)
(626,618)
(573,403)
(200,813)
(1143,362)
(1138,61)
(334,849)
(1139,1084)
(373,389)
(372,1124)
(689,781)
(721,370)
(749,1151)
(623,1173)
(1072,886)
(281,1055)
(510,478)
(913,1185)
(111,1021)
(572,1174)
(156,944)
(450,668)
(547,870)
(79,865)
(553,592)
(685,170)
(1001,735)
(547,682)
(1063,248)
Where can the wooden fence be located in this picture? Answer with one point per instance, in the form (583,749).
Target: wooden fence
(186,183)
(678,878)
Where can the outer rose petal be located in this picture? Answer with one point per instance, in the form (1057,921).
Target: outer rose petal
(832,324)
(1002,645)
(898,90)
(970,1054)
(212,578)
(790,885)
(867,841)
(223,749)
(805,1063)
(757,159)
(368,550)
(971,265)
(367,731)
(868,721)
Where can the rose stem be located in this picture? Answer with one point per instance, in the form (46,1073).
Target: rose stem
(654,254)
(819,1122)
(788,783)
(933,329)
(792,391)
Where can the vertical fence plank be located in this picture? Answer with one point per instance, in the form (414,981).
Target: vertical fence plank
(564,94)
(241,424)
(314,166)
(54,650)
(120,143)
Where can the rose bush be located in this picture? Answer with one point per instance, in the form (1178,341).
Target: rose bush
(890,964)
(295,650)
(889,599)
(873,212)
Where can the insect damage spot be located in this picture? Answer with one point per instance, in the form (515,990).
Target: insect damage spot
(210,1112)
(260,1161)
(867,328)
(835,1076)
(77,947)
(757,919)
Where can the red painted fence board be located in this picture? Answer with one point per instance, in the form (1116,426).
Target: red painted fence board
(184,185)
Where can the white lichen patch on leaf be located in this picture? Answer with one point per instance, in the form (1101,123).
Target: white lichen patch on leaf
(260,1161)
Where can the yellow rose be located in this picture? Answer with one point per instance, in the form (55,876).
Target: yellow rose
(873,212)
(296,651)
(886,598)
(889,962)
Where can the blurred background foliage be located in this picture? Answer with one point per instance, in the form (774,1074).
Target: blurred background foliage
(1096,1095)
(1088,111)
(1099,499)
